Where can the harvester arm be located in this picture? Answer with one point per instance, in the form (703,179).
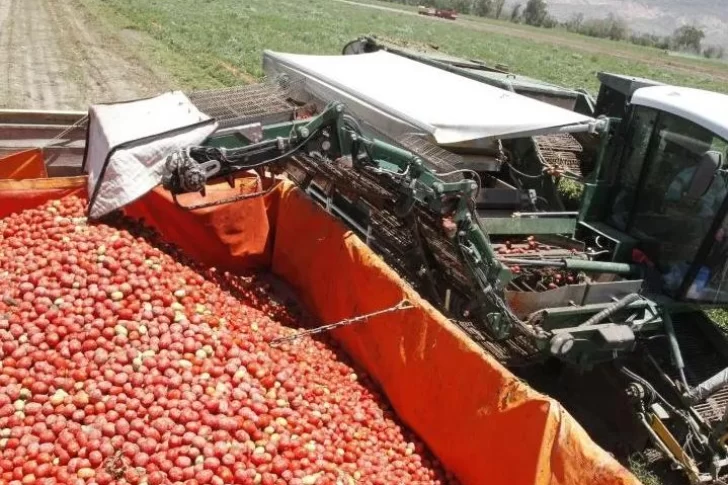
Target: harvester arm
(190,169)
(332,142)
(448,253)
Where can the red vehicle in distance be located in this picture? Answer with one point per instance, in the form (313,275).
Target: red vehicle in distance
(438,12)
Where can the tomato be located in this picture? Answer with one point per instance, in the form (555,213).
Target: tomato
(124,361)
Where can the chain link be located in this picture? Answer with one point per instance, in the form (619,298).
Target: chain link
(402,305)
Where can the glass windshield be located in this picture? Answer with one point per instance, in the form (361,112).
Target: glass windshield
(640,129)
(710,284)
(666,214)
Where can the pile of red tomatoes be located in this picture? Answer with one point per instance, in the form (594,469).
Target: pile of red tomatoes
(124,363)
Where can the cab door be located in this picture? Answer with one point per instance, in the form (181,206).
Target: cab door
(662,155)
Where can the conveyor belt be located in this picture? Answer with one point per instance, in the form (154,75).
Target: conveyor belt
(394,239)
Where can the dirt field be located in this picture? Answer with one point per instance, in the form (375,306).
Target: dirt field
(54,56)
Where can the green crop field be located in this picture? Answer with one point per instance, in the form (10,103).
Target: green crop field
(212,43)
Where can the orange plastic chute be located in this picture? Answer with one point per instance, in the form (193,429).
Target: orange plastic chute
(28,164)
(485,425)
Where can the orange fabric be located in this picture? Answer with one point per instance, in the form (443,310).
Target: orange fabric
(19,195)
(28,164)
(485,425)
(231,236)
(480,420)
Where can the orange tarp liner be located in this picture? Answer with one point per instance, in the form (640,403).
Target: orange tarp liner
(27,164)
(485,425)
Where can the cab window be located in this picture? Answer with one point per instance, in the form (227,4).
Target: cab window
(640,129)
(671,223)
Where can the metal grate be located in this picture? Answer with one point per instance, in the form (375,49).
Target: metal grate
(563,152)
(701,363)
(714,407)
(559,141)
(241,105)
(436,158)
(564,160)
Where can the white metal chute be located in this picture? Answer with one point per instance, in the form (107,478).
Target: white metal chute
(387,90)
(128,142)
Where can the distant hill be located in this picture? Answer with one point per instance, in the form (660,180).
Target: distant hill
(652,16)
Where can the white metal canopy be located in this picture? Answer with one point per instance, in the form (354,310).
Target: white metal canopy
(393,92)
(705,108)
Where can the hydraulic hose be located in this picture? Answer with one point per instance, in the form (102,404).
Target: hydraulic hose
(675,348)
(611,310)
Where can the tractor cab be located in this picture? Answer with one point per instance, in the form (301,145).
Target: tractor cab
(662,189)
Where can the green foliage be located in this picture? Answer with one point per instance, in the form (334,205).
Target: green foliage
(611,27)
(720,317)
(714,52)
(535,13)
(222,44)
(650,40)
(688,37)
(638,465)
(570,190)
(498,8)
(516,13)
(575,23)
(483,8)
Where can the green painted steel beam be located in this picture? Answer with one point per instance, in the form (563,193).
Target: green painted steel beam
(528,226)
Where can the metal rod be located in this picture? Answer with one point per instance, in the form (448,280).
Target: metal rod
(545,214)
(658,441)
(535,262)
(675,348)
(576,265)
(611,309)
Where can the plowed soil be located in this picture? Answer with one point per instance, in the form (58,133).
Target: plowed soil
(55,55)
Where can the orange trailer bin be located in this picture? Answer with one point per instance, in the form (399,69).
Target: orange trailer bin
(485,425)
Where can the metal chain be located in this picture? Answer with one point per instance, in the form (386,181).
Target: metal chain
(402,305)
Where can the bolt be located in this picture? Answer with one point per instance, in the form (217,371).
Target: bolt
(303,131)
(339,108)
(561,344)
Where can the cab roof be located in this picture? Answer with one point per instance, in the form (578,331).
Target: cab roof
(705,108)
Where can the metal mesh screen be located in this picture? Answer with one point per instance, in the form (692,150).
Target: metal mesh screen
(564,160)
(559,141)
(242,105)
(437,159)
(562,151)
